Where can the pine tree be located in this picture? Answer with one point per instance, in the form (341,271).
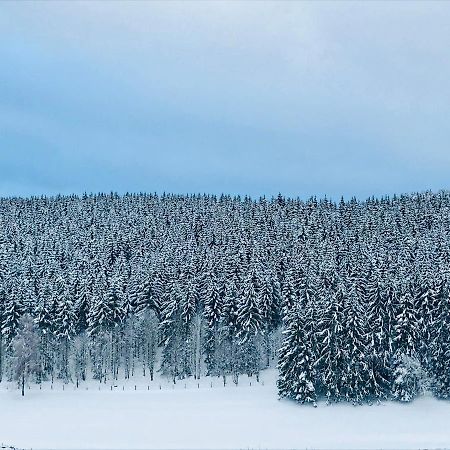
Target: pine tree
(249,317)
(288,295)
(212,314)
(81,306)
(407,369)
(380,323)
(65,321)
(268,302)
(440,349)
(2,308)
(171,361)
(296,360)
(331,362)
(12,312)
(356,374)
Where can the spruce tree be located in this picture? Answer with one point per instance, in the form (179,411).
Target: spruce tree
(297,377)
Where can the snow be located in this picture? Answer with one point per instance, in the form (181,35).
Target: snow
(186,416)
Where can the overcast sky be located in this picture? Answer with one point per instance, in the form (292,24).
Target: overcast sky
(252,98)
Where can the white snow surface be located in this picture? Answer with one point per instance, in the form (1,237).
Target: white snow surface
(186,416)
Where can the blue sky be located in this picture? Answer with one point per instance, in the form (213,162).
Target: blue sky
(251,98)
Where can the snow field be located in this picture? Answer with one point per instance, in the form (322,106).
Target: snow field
(228,417)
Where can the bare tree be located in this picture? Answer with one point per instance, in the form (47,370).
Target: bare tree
(25,346)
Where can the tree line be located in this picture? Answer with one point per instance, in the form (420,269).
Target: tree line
(350,299)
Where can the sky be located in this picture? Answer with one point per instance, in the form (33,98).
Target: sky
(302,98)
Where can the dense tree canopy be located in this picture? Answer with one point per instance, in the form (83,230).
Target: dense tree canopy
(195,285)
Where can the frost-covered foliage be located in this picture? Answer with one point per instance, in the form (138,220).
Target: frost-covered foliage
(296,361)
(25,344)
(410,379)
(195,285)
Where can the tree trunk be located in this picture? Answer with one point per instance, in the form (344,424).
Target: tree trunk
(23,384)
(267,345)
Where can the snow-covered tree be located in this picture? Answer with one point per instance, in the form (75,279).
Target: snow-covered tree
(25,348)
(297,378)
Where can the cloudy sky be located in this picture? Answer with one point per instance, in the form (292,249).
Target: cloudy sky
(252,98)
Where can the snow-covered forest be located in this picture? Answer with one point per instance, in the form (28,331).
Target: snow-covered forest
(350,300)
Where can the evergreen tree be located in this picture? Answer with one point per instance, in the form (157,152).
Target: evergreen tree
(440,349)
(296,360)
(331,361)
(212,313)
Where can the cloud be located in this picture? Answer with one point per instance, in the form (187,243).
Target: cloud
(253,97)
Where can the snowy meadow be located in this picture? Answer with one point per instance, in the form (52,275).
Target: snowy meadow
(183,416)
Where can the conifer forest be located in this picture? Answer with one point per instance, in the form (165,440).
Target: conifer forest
(349,300)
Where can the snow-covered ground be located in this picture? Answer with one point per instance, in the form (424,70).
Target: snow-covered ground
(187,416)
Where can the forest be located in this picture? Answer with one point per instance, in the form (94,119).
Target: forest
(349,299)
